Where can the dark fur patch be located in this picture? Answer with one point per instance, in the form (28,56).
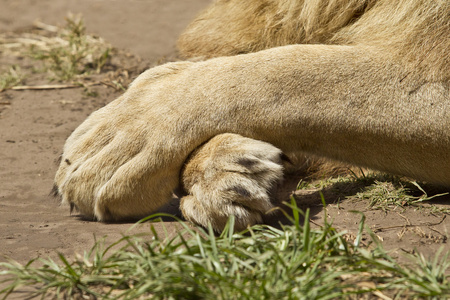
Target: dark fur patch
(73,207)
(180,191)
(285,159)
(108,217)
(58,160)
(241,191)
(247,162)
(55,191)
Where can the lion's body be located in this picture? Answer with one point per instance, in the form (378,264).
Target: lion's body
(375,95)
(415,32)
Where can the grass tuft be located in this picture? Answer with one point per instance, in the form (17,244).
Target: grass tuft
(382,191)
(390,193)
(72,53)
(263,262)
(11,78)
(68,55)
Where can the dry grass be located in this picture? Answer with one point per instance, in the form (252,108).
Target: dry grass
(67,57)
(12,77)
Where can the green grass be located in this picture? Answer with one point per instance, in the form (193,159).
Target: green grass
(12,77)
(293,262)
(71,53)
(68,54)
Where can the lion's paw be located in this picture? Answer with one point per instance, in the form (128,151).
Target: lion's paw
(104,172)
(122,162)
(231,175)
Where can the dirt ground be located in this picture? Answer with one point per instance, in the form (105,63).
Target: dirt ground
(35,124)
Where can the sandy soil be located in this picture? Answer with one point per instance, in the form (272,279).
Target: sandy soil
(35,124)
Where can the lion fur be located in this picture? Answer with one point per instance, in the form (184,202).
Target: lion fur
(415,31)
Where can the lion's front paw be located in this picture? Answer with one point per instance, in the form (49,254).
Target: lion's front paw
(231,175)
(123,162)
(106,171)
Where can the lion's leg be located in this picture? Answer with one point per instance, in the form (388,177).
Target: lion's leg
(347,103)
(231,175)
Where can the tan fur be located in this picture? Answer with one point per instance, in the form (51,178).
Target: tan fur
(375,93)
(416,31)
(242,172)
(231,27)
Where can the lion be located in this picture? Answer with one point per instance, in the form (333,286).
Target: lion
(362,82)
